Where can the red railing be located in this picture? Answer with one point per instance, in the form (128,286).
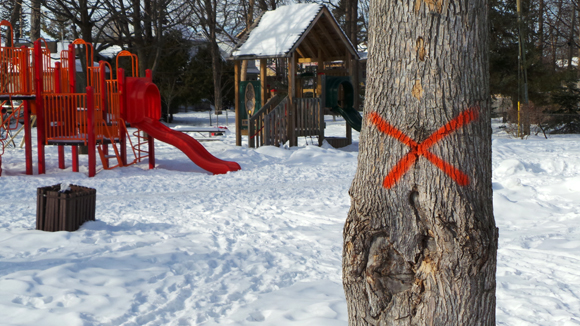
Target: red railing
(134,62)
(13,62)
(65,117)
(62,111)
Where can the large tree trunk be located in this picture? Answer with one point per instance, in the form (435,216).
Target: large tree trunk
(420,245)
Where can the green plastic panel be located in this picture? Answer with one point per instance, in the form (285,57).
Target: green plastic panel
(258,98)
(346,110)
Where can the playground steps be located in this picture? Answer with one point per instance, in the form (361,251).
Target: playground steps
(103,153)
(110,129)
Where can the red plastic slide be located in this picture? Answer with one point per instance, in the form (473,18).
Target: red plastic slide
(191,147)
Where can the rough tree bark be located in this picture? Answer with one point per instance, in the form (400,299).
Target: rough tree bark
(420,245)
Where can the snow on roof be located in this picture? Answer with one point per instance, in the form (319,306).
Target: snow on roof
(279,30)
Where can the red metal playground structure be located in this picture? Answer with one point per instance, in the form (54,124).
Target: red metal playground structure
(97,118)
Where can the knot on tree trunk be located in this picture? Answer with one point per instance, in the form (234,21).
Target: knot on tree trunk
(386,274)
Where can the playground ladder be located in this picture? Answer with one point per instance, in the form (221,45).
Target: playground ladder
(138,147)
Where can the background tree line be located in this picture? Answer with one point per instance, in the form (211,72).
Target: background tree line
(184,42)
(172,38)
(551,33)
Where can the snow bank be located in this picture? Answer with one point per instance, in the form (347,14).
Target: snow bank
(262,246)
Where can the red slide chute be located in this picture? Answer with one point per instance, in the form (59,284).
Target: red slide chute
(191,147)
(143,104)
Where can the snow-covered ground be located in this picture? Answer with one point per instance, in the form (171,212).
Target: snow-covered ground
(261,246)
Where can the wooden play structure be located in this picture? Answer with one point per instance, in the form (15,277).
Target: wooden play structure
(96,117)
(305,42)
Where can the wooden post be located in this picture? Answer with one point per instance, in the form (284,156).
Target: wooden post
(349,69)
(319,70)
(263,76)
(291,95)
(264,98)
(322,107)
(321,90)
(238,123)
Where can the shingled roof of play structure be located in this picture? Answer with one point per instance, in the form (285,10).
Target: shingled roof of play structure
(302,27)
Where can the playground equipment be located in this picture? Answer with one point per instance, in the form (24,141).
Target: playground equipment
(340,99)
(319,52)
(96,118)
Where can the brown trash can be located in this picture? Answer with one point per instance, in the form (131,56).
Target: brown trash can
(64,211)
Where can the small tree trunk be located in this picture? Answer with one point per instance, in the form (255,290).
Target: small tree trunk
(211,13)
(420,241)
(578,54)
(571,43)
(541,40)
(249,21)
(16,20)
(35,20)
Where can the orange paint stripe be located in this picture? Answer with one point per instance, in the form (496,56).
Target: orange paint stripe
(400,169)
(461,178)
(389,130)
(459,121)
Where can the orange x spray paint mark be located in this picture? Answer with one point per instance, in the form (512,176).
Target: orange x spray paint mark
(422,149)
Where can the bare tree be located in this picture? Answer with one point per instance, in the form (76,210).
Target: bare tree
(217,21)
(249,8)
(35,20)
(83,14)
(561,19)
(420,241)
(17,19)
(139,25)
